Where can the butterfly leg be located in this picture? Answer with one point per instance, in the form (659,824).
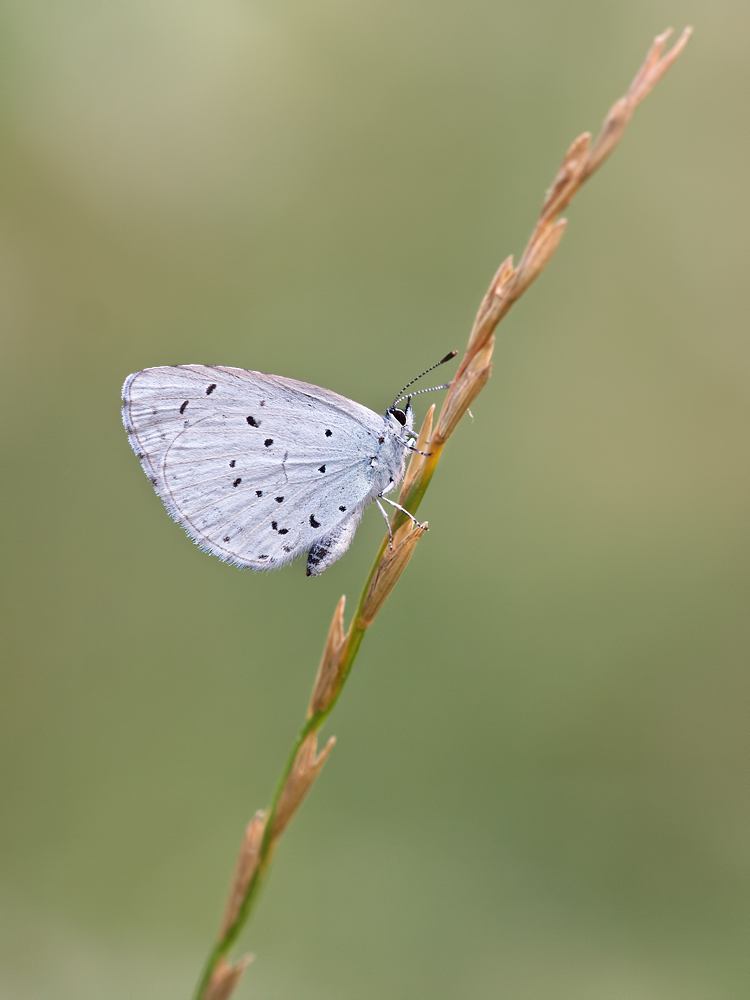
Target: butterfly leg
(414,438)
(387,521)
(425,453)
(403,511)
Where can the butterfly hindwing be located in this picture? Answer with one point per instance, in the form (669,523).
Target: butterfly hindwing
(256,468)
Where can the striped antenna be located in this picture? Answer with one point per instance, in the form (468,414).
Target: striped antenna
(401,394)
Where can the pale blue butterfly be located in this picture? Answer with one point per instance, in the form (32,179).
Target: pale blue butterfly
(259,469)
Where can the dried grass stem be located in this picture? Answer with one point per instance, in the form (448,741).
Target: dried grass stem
(304,764)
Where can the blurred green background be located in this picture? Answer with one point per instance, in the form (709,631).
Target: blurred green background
(540,790)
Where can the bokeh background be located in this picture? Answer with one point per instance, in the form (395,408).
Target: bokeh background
(540,789)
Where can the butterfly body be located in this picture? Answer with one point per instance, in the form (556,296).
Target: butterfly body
(259,469)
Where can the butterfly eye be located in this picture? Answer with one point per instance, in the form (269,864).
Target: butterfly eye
(398,414)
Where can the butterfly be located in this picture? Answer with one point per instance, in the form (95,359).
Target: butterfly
(259,469)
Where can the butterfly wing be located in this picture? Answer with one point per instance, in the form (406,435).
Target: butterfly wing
(256,468)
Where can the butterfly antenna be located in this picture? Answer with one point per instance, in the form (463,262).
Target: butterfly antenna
(448,357)
(434,388)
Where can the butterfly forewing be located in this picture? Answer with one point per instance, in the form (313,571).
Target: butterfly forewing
(256,468)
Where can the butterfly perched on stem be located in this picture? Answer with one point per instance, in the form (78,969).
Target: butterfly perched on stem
(260,469)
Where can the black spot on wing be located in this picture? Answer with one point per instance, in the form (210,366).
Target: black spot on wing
(253,422)
(184,406)
(259,493)
(268,442)
(237,482)
(210,389)
(226,538)
(274,525)
(313,522)
(328,433)
(279,499)
(232,463)
(342,508)
(284,531)
(322,468)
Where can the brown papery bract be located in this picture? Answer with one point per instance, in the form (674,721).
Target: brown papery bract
(464,391)
(247,863)
(307,766)
(417,459)
(225,978)
(389,569)
(328,682)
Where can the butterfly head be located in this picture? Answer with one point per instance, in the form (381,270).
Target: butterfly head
(403,418)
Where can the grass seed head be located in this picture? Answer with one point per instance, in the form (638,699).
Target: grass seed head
(328,681)
(307,766)
(247,862)
(225,978)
